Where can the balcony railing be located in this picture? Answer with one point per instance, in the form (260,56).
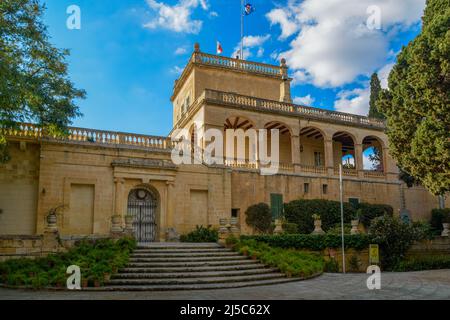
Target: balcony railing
(313,169)
(28,130)
(237,64)
(214,96)
(346,172)
(374,174)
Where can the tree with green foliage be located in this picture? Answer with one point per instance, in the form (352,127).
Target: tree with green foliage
(375,89)
(417,103)
(34,82)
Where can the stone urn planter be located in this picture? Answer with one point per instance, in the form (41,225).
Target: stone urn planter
(234,226)
(445,231)
(223,225)
(355,224)
(129,219)
(278,227)
(51,221)
(317,225)
(116,223)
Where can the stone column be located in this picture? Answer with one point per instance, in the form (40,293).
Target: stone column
(329,163)
(116,219)
(359,165)
(295,150)
(389,165)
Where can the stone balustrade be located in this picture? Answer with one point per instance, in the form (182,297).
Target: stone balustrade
(28,130)
(312,169)
(237,64)
(214,96)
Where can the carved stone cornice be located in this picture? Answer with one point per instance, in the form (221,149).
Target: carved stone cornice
(144,163)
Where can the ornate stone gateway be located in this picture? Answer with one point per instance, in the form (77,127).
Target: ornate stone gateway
(142,204)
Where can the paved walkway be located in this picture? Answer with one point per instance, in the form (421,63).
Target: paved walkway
(409,285)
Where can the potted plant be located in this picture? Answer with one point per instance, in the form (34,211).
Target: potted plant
(84,282)
(317,224)
(355,221)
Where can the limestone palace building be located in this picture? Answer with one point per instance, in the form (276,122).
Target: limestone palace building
(96,178)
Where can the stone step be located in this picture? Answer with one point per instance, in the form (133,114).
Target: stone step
(178,245)
(170,251)
(182,255)
(206,286)
(169,259)
(205,274)
(177,281)
(192,269)
(184,263)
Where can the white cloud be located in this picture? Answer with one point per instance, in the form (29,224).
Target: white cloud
(284,19)
(249,43)
(180,51)
(305,101)
(367,163)
(354,101)
(300,77)
(213,14)
(176,70)
(383,74)
(177,17)
(333,43)
(260,52)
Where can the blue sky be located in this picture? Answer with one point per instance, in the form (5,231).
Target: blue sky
(128,53)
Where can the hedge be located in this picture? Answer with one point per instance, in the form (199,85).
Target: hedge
(423,263)
(313,242)
(438,216)
(300,212)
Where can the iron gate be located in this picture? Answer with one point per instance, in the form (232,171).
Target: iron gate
(142,204)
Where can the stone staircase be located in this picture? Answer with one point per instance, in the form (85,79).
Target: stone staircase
(189,266)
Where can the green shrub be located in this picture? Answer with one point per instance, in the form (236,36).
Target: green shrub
(394,237)
(439,216)
(336,229)
(201,234)
(290,228)
(423,230)
(331,266)
(368,212)
(313,242)
(301,212)
(231,240)
(259,217)
(95,259)
(423,263)
(354,263)
(292,262)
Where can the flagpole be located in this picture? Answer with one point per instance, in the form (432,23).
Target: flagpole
(242,30)
(341,198)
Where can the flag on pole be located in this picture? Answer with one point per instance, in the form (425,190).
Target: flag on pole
(219,48)
(248,9)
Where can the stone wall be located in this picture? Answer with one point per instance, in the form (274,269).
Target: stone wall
(19,178)
(25,246)
(437,246)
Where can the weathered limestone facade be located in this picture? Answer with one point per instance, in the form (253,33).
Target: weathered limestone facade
(91,174)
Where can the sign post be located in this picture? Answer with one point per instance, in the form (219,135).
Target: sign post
(374,254)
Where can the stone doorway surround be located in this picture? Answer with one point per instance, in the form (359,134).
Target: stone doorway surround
(155,174)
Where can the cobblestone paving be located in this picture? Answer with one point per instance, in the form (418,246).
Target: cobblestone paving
(409,285)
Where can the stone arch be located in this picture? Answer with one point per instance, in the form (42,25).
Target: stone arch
(285,143)
(344,145)
(312,147)
(238,122)
(144,204)
(373,146)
